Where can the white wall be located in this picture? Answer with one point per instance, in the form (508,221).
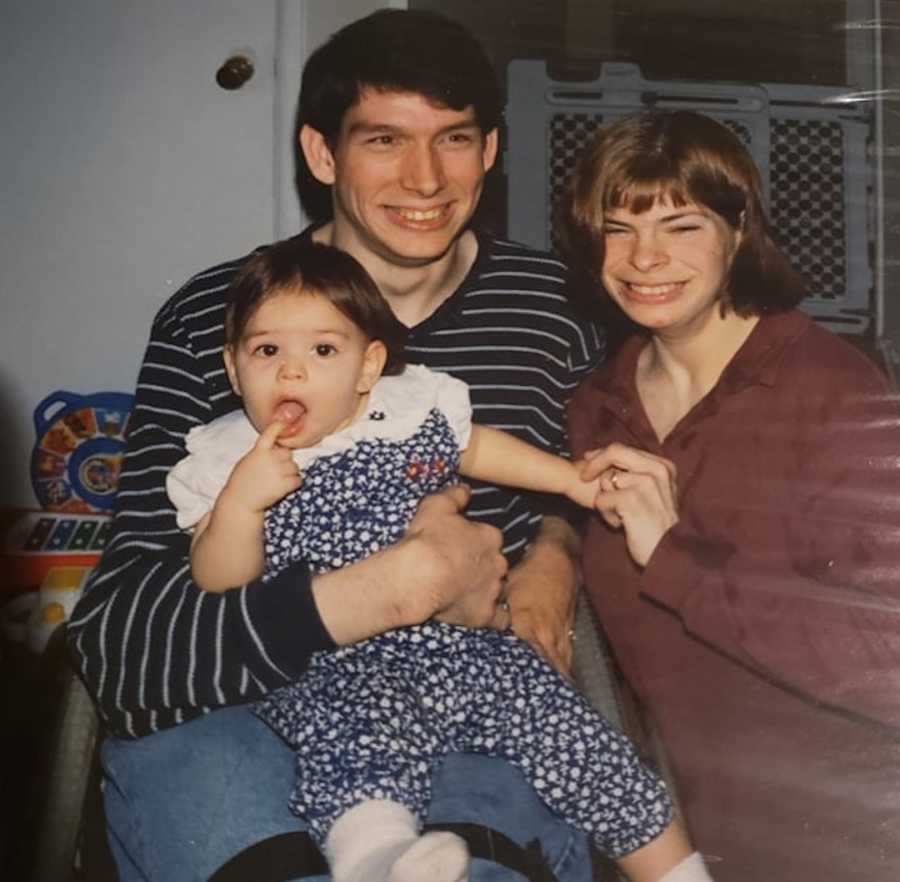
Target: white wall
(124,169)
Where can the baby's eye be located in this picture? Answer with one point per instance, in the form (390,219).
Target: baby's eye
(266,350)
(325,349)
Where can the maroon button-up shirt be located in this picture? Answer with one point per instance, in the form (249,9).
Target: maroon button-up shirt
(763,637)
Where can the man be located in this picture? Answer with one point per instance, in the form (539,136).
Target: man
(398,118)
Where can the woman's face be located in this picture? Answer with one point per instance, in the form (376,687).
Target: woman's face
(667,267)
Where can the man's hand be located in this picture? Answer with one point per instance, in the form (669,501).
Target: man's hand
(264,475)
(445,567)
(542,591)
(463,568)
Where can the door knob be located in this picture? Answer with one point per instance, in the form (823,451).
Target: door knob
(235,72)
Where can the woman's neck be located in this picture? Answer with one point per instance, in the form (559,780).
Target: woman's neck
(676,371)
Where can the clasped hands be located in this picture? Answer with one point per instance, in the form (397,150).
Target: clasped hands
(637,493)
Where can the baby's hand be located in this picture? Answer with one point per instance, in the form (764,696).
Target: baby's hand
(264,475)
(583,492)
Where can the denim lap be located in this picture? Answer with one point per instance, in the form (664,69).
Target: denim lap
(182,802)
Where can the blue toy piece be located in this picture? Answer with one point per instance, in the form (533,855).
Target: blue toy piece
(78,452)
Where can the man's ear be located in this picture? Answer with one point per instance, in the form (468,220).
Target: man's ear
(318,154)
(373,364)
(489,150)
(231,368)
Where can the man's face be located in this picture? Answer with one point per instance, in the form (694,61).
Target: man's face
(406,175)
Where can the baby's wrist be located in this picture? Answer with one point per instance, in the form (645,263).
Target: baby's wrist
(235,506)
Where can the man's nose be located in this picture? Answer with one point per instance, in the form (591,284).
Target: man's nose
(423,170)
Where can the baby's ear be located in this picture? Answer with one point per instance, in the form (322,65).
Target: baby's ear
(231,368)
(373,364)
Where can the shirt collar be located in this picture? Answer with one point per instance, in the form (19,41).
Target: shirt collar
(757,362)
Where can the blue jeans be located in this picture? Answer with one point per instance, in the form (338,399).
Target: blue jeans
(182,802)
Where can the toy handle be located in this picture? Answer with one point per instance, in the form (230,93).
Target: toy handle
(55,402)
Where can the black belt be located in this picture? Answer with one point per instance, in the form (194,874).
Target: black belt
(295,856)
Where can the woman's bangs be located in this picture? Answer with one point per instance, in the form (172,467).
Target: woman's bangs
(640,195)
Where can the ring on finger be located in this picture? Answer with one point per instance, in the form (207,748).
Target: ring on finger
(503,605)
(614,479)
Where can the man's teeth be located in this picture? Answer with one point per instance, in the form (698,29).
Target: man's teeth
(653,289)
(416,215)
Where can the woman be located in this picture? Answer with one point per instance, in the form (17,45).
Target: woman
(745,566)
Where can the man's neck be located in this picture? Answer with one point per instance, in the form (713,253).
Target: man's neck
(413,292)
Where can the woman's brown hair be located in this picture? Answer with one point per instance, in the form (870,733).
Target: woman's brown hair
(681,157)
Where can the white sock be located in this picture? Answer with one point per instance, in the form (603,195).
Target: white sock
(433,857)
(378,841)
(691,869)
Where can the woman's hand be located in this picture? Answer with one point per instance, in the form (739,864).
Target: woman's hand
(638,494)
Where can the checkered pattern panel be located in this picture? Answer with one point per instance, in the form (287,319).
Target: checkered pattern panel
(569,134)
(807,201)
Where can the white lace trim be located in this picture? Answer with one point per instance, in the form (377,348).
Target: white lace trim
(396,408)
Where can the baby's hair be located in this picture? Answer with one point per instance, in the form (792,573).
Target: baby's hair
(302,266)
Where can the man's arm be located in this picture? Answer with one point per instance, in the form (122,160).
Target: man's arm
(445,567)
(153,648)
(543,588)
(542,591)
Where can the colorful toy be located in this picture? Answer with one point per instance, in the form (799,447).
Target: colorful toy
(76,458)
(34,542)
(54,553)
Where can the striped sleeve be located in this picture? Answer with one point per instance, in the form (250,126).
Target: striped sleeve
(153,648)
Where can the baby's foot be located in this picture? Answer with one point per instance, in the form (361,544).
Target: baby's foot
(433,857)
(691,869)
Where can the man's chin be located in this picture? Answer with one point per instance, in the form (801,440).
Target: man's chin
(421,253)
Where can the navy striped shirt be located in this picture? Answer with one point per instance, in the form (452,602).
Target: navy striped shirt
(155,649)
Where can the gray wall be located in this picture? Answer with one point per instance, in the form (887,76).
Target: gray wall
(124,169)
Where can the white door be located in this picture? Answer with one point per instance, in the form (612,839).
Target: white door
(125,168)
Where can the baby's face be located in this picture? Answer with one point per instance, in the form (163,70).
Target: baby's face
(304,363)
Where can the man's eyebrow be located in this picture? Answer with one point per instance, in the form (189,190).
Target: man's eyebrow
(365,127)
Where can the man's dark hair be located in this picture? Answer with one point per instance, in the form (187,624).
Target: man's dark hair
(396,50)
(300,266)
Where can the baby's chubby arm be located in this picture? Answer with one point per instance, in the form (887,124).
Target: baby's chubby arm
(227,546)
(500,458)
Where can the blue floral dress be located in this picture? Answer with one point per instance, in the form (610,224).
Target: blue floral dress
(373,720)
